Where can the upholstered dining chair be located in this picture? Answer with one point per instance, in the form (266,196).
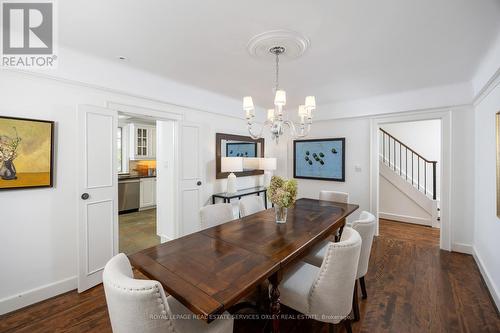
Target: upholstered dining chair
(142,306)
(213,215)
(250,205)
(365,225)
(334,196)
(325,292)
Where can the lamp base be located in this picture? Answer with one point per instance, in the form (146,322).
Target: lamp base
(231,183)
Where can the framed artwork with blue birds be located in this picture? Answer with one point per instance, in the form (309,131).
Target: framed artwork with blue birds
(322,159)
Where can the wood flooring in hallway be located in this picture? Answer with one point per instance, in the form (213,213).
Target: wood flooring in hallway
(412,287)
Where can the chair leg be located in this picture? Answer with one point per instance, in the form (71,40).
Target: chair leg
(355,304)
(347,325)
(363,287)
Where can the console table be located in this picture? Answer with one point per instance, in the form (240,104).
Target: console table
(226,197)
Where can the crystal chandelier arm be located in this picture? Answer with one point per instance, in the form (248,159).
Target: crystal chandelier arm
(304,129)
(251,132)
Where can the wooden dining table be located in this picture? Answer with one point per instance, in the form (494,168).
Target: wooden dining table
(211,270)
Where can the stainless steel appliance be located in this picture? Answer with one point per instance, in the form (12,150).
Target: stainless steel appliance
(128,194)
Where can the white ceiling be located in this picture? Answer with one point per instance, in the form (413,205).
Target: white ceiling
(358,48)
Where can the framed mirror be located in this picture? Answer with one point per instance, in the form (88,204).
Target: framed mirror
(231,145)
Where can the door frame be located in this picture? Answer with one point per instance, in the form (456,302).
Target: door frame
(446,144)
(170,114)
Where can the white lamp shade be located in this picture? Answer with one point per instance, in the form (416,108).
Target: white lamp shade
(268,163)
(280,98)
(247,103)
(310,102)
(231,164)
(250,163)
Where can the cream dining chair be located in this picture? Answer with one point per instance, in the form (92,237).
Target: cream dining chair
(325,292)
(213,215)
(365,225)
(334,196)
(250,205)
(142,306)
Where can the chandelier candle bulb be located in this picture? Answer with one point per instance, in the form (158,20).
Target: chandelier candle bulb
(280,98)
(270,115)
(310,103)
(247,103)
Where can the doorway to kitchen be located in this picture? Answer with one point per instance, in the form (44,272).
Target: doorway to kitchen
(144,146)
(136,150)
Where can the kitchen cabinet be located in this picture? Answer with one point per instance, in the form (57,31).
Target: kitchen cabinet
(147,193)
(142,142)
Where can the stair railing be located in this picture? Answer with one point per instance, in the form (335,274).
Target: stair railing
(410,160)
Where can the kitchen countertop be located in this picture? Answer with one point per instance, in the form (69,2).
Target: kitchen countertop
(128,177)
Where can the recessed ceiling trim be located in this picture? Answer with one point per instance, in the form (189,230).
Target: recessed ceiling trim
(294,43)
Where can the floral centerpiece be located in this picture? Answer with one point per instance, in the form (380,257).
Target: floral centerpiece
(282,193)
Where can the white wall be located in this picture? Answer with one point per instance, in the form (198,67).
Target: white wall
(357,134)
(487,223)
(38,229)
(422,136)
(396,205)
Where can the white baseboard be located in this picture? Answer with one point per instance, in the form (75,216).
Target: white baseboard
(164,239)
(462,248)
(36,295)
(405,218)
(495,293)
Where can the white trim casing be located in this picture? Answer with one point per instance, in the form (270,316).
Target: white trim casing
(446,170)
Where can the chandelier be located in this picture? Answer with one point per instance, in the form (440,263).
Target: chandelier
(276,116)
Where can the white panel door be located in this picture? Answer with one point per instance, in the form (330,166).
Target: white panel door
(98,182)
(191,179)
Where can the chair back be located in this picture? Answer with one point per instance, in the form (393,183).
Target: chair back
(251,205)
(213,215)
(134,305)
(334,196)
(331,294)
(366,226)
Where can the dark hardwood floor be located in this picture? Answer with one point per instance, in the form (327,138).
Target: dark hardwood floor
(412,287)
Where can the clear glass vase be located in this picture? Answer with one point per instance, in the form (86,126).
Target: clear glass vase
(281,213)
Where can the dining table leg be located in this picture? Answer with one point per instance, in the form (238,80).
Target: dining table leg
(274,295)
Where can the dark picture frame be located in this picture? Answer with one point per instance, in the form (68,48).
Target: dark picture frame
(298,174)
(218,154)
(50,182)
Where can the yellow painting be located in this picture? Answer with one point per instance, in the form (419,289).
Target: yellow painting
(26,153)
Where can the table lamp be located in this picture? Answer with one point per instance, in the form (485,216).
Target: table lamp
(251,163)
(231,164)
(268,164)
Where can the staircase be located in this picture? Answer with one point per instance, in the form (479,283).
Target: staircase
(411,179)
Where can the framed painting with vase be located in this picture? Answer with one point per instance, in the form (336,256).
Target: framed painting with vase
(26,153)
